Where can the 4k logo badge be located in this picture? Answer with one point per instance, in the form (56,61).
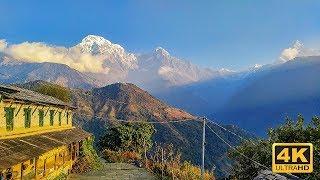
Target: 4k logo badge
(292,158)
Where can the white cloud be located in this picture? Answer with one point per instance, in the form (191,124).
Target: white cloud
(292,52)
(3,44)
(297,50)
(40,52)
(289,54)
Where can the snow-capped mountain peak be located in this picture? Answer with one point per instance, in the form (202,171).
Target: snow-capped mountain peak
(255,67)
(114,56)
(297,45)
(161,53)
(225,71)
(109,62)
(99,45)
(90,40)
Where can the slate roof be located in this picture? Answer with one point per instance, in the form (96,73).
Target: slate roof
(17,150)
(16,93)
(268,175)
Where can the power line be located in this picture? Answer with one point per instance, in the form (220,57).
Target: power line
(197,119)
(224,141)
(227,130)
(243,155)
(156,122)
(202,120)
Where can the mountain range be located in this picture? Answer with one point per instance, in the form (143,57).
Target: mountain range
(101,107)
(257,100)
(263,94)
(100,62)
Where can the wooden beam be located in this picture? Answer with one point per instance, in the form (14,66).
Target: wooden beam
(34,102)
(65,113)
(35,168)
(45,114)
(44,167)
(19,110)
(35,109)
(21,170)
(63,154)
(55,162)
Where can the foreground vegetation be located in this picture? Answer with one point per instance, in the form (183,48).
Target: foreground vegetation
(88,160)
(260,150)
(132,143)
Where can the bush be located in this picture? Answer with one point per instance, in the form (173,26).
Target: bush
(88,160)
(56,91)
(166,163)
(126,143)
(128,137)
(260,150)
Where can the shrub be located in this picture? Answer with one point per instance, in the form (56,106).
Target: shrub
(260,150)
(166,164)
(132,137)
(88,160)
(56,91)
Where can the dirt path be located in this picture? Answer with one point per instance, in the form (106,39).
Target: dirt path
(115,171)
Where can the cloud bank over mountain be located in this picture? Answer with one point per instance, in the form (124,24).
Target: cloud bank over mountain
(107,62)
(41,52)
(96,62)
(297,50)
(3,44)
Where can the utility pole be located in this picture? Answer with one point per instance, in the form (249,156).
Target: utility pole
(145,153)
(203,146)
(162,164)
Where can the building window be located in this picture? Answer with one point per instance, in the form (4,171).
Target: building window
(41,118)
(9,118)
(60,118)
(27,117)
(51,117)
(67,117)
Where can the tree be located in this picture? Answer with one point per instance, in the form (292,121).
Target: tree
(261,150)
(128,137)
(56,91)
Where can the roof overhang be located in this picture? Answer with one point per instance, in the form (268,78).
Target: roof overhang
(17,150)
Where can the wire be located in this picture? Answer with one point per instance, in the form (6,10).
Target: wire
(203,119)
(224,141)
(227,130)
(243,155)
(156,122)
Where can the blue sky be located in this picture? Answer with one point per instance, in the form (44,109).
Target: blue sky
(231,34)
